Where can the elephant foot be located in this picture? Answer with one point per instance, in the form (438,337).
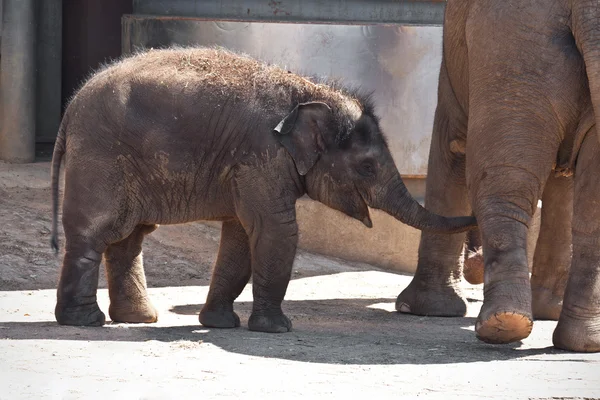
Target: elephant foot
(269,322)
(419,299)
(577,334)
(219,318)
(505,316)
(81,315)
(474,267)
(545,304)
(138,312)
(504,327)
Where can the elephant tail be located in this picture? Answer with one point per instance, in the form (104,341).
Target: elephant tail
(57,156)
(585,21)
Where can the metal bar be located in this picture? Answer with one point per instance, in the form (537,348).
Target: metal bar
(17,82)
(49,57)
(304,11)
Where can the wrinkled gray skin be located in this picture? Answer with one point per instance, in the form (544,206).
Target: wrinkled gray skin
(552,257)
(518,87)
(173,136)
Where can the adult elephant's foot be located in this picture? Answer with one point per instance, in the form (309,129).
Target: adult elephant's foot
(505,316)
(474,267)
(547,291)
(577,333)
(272,322)
(545,303)
(219,317)
(132,311)
(421,298)
(79,315)
(504,327)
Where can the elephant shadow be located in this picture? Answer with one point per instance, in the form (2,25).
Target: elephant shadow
(355,331)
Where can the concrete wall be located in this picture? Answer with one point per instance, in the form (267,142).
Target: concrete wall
(389,244)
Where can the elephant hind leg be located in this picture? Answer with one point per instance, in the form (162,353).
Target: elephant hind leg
(129,300)
(88,231)
(552,257)
(578,327)
(76,295)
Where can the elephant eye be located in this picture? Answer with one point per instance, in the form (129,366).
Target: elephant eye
(366,169)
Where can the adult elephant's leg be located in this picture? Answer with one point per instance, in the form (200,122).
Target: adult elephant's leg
(507,172)
(578,327)
(515,128)
(473,268)
(552,257)
(231,274)
(434,290)
(129,300)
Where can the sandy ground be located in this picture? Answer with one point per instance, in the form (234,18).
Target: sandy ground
(347,341)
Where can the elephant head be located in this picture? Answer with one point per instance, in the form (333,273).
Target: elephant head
(346,164)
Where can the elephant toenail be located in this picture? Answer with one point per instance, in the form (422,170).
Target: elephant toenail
(405,308)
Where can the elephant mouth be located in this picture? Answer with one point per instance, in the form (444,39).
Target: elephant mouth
(365,217)
(367,221)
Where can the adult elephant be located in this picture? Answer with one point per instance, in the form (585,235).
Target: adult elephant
(518,87)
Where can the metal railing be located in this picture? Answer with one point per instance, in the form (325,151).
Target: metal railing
(305,11)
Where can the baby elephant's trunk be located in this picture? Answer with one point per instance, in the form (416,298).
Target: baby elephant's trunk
(397,201)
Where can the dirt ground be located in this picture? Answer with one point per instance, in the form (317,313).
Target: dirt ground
(347,341)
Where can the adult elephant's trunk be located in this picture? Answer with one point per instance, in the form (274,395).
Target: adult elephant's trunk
(395,200)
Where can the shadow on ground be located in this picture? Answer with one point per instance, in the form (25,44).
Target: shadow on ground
(336,331)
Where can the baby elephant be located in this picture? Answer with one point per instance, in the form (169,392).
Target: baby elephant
(173,136)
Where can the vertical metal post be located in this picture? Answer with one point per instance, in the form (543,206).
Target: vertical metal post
(49,71)
(17,81)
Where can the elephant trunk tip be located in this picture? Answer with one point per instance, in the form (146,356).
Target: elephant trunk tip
(461,224)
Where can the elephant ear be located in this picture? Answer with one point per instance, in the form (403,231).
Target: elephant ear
(299,133)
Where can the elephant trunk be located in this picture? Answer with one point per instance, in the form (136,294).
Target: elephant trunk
(395,200)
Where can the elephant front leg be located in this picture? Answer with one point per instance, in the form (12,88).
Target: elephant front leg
(273,251)
(505,315)
(504,197)
(231,274)
(434,290)
(552,257)
(578,327)
(273,236)
(265,205)
(129,300)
